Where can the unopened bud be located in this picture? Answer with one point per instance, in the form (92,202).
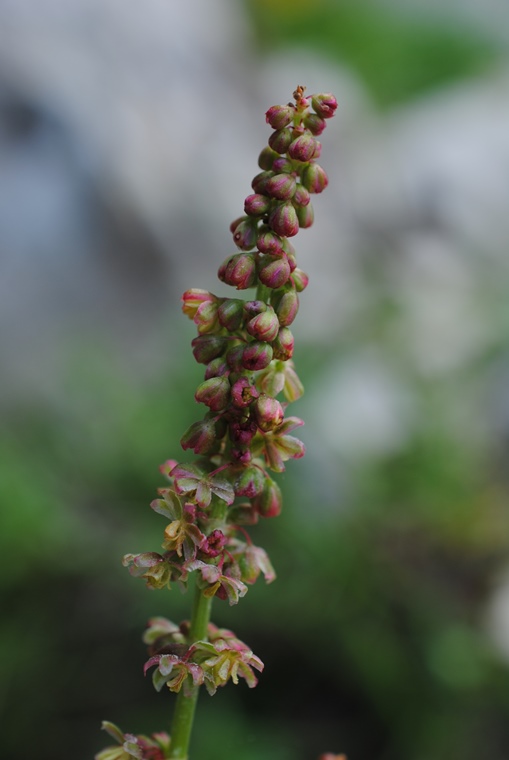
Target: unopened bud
(283,220)
(256,204)
(234,357)
(231,314)
(314,123)
(269,502)
(206,317)
(282,165)
(305,215)
(287,307)
(200,437)
(259,182)
(264,326)
(266,158)
(249,482)
(269,242)
(314,178)
(245,234)
(215,393)
(301,196)
(256,355)
(280,116)
(302,148)
(324,104)
(282,346)
(192,299)
(252,308)
(239,270)
(217,368)
(268,413)
(280,140)
(300,280)
(281,186)
(208,347)
(275,272)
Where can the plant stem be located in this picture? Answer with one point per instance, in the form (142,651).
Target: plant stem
(263,292)
(183,716)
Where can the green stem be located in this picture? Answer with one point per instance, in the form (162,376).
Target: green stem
(183,716)
(263,292)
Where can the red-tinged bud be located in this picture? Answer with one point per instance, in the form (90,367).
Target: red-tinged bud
(236,222)
(208,347)
(245,234)
(314,123)
(259,183)
(200,437)
(241,456)
(281,186)
(318,150)
(280,116)
(305,215)
(206,317)
(215,393)
(288,247)
(267,158)
(213,544)
(300,280)
(287,307)
(270,501)
(324,104)
(292,261)
(238,270)
(256,355)
(301,196)
(283,220)
(282,166)
(252,308)
(268,413)
(275,272)
(303,148)
(249,482)
(217,368)
(234,357)
(282,346)
(264,326)
(256,204)
(269,242)
(243,393)
(280,140)
(242,433)
(192,299)
(231,314)
(314,178)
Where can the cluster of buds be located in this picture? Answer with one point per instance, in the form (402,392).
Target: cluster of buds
(246,347)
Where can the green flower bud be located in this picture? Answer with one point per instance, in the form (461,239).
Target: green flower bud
(302,148)
(274,272)
(216,368)
(301,196)
(283,220)
(269,502)
(300,280)
(264,326)
(282,166)
(269,242)
(260,181)
(231,314)
(239,270)
(324,104)
(314,178)
(257,204)
(245,234)
(268,413)
(200,437)
(266,158)
(305,215)
(314,123)
(281,186)
(257,355)
(192,299)
(280,116)
(280,140)
(215,393)
(208,347)
(282,346)
(287,307)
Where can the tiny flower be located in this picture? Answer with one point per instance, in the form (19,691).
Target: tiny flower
(200,437)
(301,196)
(282,345)
(239,270)
(280,140)
(194,298)
(214,393)
(206,317)
(268,413)
(305,215)
(269,242)
(324,104)
(282,165)
(253,308)
(302,148)
(256,355)
(249,482)
(314,123)
(287,307)
(281,186)
(243,393)
(260,181)
(269,502)
(300,280)
(231,313)
(280,116)
(266,158)
(257,205)
(245,234)
(208,347)
(283,220)
(234,357)
(274,273)
(314,178)
(264,326)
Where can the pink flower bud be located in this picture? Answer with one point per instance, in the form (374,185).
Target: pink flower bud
(231,314)
(280,116)
(281,186)
(215,393)
(208,347)
(270,501)
(245,234)
(243,393)
(264,326)
(217,368)
(282,346)
(275,272)
(194,298)
(242,433)
(280,140)
(236,222)
(282,166)
(239,270)
(305,215)
(287,307)
(200,437)
(252,308)
(266,158)
(256,204)
(241,456)
(256,355)
(268,413)
(314,123)
(300,280)
(301,196)
(269,242)
(303,148)
(249,482)
(283,220)
(259,182)
(206,317)
(288,246)
(234,357)
(292,261)
(314,178)
(324,104)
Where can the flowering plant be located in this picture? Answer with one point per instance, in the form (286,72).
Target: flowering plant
(246,347)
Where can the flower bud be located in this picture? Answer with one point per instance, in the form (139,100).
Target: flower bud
(242,433)
(280,116)
(266,158)
(302,148)
(324,104)
(282,165)
(217,368)
(281,186)
(288,246)
(252,308)
(269,242)
(301,196)
(192,299)
(208,347)
(268,413)
(206,317)
(241,456)
(305,215)
(249,482)
(264,326)
(234,357)
(283,345)
(269,502)
(238,270)
(274,273)
(215,393)
(314,178)
(257,355)
(314,123)
(283,220)
(287,307)
(231,314)
(280,140)
(259,182)
(256,204)
(300,280)
(243,393)
(200,437)
(245,234)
